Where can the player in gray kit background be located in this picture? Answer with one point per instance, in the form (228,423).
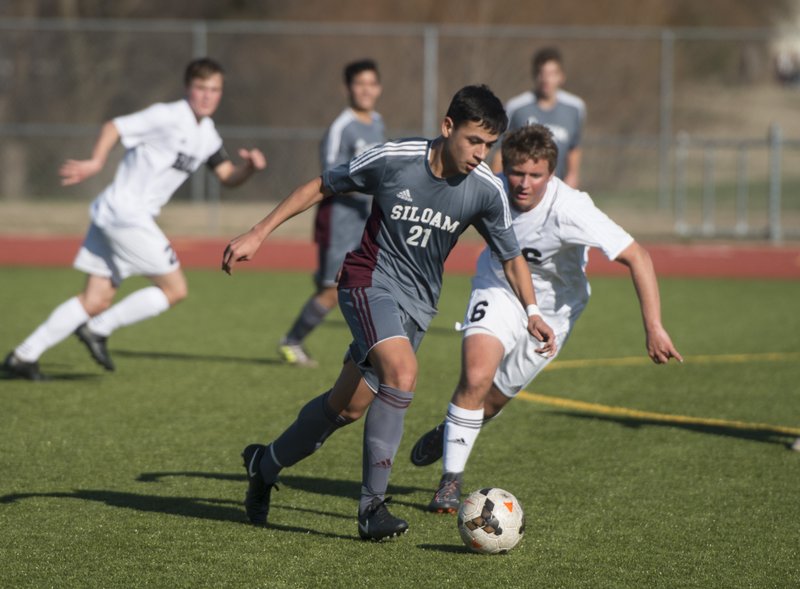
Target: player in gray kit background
(340,219)
(425,194)
(164,144)
(558,110)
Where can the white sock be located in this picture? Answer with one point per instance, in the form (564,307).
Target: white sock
(137,306)
(461,429)
(62,322)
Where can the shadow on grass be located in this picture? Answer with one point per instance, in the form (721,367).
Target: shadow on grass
(754,434)
(53,377)
(449,548)
(195,357)
(193,507)
(318,485)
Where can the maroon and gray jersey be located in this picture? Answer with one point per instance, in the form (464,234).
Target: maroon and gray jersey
(416,220)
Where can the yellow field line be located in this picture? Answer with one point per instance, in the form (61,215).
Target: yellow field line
(663,417)
(700,359)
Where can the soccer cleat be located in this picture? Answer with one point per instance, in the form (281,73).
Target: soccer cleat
(20,369)
(295,354)
(256,499)
(429,448)
(796,445)
(96,344)
(376,523)
(448,496)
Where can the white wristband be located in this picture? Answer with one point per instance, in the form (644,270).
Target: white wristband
(533,310)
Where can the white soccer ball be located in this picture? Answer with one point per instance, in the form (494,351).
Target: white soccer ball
(491,521)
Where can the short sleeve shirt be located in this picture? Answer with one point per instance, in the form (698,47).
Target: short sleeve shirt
(555,237)
(164,144)
(565,121)
(416,221)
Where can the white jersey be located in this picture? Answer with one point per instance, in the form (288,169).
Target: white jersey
(555,237)
(165,143)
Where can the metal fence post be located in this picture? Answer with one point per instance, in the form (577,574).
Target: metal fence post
(665,117)
(775,155)
(199,49)
(681,161)
(430,76)
(742,191)
(709,188)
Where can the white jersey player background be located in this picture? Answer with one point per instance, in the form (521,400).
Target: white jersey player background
(164,144)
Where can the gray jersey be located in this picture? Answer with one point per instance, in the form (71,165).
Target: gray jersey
(416,220)
(348,137)
(565,121)
(340,220)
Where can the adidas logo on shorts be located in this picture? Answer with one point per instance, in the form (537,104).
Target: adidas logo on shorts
(404,194)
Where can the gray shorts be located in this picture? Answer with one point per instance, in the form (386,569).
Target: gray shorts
(373,316)
(338,228)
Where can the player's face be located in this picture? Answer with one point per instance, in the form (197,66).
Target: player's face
(204,95)
(465,146)
(549,79)
(364,90)
(527,183)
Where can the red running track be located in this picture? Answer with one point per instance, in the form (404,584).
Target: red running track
(707,261)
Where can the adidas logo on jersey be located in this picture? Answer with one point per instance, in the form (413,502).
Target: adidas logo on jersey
(405,194)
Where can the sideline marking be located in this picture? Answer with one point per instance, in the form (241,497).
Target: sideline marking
(700,359)
(663,417)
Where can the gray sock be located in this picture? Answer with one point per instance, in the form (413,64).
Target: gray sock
(383,430)
(310,316)
(314,424)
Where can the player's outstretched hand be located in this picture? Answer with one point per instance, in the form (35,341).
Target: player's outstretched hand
(75,171)
(539,329)
(240,249)
(660,347)
(254,157)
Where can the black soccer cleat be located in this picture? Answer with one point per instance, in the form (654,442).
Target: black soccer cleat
(376,523)
(256,500)
(17,368)
(447,497)
(96,345)
(429,448)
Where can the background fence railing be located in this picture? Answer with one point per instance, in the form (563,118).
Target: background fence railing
(644,87)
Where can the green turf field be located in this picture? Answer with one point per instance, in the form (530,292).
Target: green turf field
(134,479)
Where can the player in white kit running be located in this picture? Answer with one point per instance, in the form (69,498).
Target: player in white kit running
(555,226)
(164,144)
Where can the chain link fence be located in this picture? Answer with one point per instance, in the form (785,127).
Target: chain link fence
(644,87)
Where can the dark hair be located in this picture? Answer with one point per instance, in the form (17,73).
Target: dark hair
(532,142)
(480,105)
(202,68)
(542,56)
(351,70)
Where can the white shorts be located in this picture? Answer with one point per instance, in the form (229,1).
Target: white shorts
(117,252)
(497,312)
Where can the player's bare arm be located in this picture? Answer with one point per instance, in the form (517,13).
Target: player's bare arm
(659,344)
(573,176)
(230,174)
(519,278)
(76,171)
(244,247)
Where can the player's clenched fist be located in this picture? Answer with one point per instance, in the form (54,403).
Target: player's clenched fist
(254,157)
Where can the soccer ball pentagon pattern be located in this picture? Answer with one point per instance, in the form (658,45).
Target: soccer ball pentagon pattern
(491,521)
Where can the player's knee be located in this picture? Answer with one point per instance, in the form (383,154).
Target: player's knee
(401,377)
(94,304)
(176,294)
